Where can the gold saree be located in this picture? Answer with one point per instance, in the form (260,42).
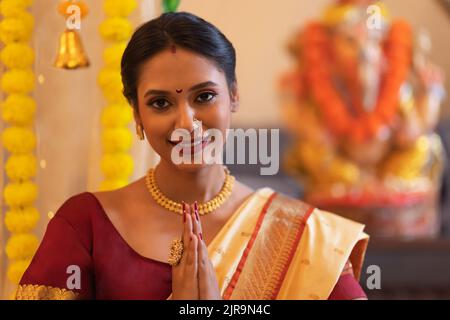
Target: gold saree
(276,247)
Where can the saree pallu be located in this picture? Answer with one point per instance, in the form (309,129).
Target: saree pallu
(276,247)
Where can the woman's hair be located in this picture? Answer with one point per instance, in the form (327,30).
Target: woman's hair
(181,29)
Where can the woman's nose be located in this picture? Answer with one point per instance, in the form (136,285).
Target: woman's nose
(185,118)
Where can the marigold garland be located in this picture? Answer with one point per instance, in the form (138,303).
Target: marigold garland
(113,55)
(18,140)
(116,115)
(20,194)
(21,246)
(119,8)
(116,139)
(17,56)
(110,82)
(17,28)
(18,112)
(398,48)
(21,167)
(11,8)
(18,81)
(16,270)
(116,29)
(118,166)
(21,220)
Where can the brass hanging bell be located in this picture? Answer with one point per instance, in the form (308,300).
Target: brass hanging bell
(71,54)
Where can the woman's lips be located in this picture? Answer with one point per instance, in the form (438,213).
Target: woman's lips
(193,143)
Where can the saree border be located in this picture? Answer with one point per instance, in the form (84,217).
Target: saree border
(43,292)
(294,247)
(279,270)
(230,288)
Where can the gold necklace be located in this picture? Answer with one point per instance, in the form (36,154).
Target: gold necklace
(203,208)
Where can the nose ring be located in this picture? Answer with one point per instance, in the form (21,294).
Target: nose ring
(197,123)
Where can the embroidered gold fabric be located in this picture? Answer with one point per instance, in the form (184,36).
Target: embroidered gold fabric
(41,292)
(327,242)
(261,275)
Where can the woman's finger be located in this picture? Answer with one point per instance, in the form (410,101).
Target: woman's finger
(192,256)
(207,281)
(201,265)
(187,225)
(190,269)
(187,231)
(197,226)
(202,254)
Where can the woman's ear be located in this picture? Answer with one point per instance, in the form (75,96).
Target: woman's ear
(137,117)
(234,94)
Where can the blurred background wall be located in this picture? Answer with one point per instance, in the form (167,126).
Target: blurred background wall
(259,30)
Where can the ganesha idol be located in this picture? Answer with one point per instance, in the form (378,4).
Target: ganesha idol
(362,102)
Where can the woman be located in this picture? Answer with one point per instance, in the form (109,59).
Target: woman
(178,72)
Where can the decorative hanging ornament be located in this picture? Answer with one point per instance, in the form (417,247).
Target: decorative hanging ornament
(170,5)
(71,54)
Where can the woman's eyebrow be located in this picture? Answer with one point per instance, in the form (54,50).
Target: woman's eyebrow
(202,85)
(158,92)
(196,87)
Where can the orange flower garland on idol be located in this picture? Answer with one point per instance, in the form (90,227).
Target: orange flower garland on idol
(358,128)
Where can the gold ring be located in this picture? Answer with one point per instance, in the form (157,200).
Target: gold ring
(176,251)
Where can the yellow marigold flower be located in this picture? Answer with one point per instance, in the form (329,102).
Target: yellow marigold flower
(21,246)
(20,194)
(27,18)
(117,166)
(21,167)
(18,81)
(116,29)
(18,110)
(17,29)
(110,82)
(18,140)
(28,3)
(114,96)
(17,269)
(116,140)
(112,55)
(108,78)
(119,8)
(17,56)
(113,184)
(21,220)
(12,8)
(116,115)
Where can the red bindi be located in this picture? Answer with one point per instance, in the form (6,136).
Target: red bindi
(174,49)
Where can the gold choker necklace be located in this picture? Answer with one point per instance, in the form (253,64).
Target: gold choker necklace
(203,208)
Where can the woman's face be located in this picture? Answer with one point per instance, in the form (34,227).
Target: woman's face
(176,86)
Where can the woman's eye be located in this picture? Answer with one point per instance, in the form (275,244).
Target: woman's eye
(206,97)
(159,104)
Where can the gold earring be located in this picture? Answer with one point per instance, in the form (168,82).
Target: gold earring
(140,131)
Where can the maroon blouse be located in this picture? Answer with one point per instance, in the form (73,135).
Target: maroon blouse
(81,234)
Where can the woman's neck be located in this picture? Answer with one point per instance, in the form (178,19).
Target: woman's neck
(201,185)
